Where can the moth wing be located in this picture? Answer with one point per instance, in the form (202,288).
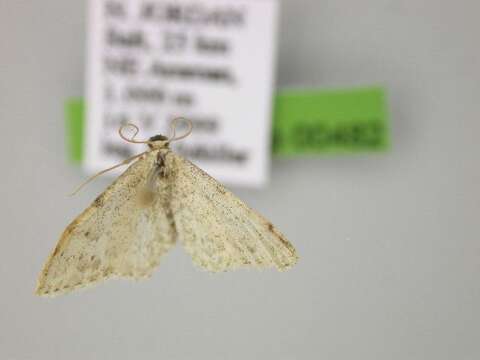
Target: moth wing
(218,230)
(117,236)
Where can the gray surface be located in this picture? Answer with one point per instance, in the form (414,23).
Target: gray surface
(390,254)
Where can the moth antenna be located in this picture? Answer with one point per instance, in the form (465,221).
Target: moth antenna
(173,126)
(132,138)
(133,141)
(90,179)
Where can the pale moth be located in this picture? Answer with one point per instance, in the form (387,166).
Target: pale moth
(159,199)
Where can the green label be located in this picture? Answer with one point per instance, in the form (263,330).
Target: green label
(74,120)
(305,122)
(338,121)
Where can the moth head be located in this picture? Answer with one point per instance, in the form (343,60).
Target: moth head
(158,142)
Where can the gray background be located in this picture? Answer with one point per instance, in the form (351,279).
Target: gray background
(390,255)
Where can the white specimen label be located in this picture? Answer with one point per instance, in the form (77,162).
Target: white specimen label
(210,61)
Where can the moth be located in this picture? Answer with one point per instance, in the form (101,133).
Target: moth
(160,199)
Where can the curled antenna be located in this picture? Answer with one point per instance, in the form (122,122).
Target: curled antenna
(173,126)
(132,138)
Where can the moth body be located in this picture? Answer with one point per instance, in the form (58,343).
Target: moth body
(159,199)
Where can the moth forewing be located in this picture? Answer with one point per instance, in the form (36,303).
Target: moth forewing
(114,237)
(220,231)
